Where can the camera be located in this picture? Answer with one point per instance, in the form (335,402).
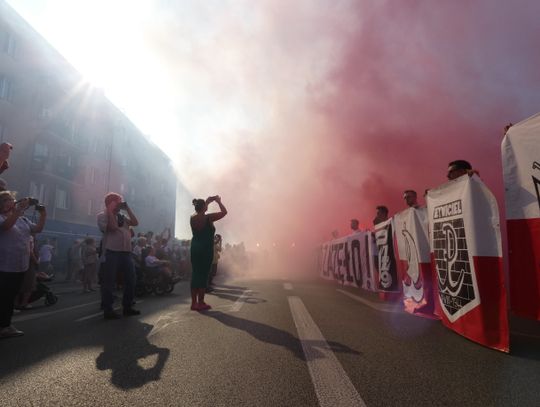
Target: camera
(122,205)
(35,203)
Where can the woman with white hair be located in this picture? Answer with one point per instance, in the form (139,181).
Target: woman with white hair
(15,235)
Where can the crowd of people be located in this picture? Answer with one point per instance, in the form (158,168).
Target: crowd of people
(116,260)
(456,169)
(121,256)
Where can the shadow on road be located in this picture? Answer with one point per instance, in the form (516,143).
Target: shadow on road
(525,347)
(275,336)
(123,345)
(122,358)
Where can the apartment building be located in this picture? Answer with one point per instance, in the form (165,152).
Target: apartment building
(71,144)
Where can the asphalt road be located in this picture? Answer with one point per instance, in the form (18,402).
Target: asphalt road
(281,342)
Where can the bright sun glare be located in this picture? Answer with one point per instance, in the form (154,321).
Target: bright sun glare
(105,44)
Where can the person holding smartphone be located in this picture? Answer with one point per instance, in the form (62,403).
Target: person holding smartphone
(115,222)
(15,244)
(202,248)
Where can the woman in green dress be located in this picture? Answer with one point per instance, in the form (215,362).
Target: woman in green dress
(202,248)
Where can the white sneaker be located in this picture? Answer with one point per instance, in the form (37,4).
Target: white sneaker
(10,331)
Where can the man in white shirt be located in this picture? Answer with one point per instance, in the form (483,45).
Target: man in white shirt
(116,246)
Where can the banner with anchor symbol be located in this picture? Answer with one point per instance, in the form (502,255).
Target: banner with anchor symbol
(466,251)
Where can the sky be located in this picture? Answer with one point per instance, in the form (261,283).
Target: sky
(305,114)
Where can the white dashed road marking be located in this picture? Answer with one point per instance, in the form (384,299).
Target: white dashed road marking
(237,306)
(97,314)
(287,286)
(332,385)
(20,318)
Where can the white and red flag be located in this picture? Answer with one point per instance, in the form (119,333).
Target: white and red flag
(466,251)
(414,261)
(521,168)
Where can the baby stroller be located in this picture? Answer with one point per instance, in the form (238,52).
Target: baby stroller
(42,290)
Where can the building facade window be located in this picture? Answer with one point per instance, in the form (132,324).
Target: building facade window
(40,156)
(69,129)
(63,165)
(45,113)
(93,176)
(37,191)
(62,199)
(9,44)
(120,133)
(6,89)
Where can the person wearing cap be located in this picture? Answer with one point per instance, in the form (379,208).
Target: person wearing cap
(459,168)
(411,198)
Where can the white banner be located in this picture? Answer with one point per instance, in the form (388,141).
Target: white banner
(350,260)
(413,248)
(414,256)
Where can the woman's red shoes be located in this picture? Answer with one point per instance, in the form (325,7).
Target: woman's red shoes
(200,307)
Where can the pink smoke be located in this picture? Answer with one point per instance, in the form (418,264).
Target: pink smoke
(356,101)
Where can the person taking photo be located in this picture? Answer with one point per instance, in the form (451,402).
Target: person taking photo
(15,244)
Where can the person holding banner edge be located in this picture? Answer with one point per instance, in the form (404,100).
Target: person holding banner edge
(458,168)
(382,215)
(411,198)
